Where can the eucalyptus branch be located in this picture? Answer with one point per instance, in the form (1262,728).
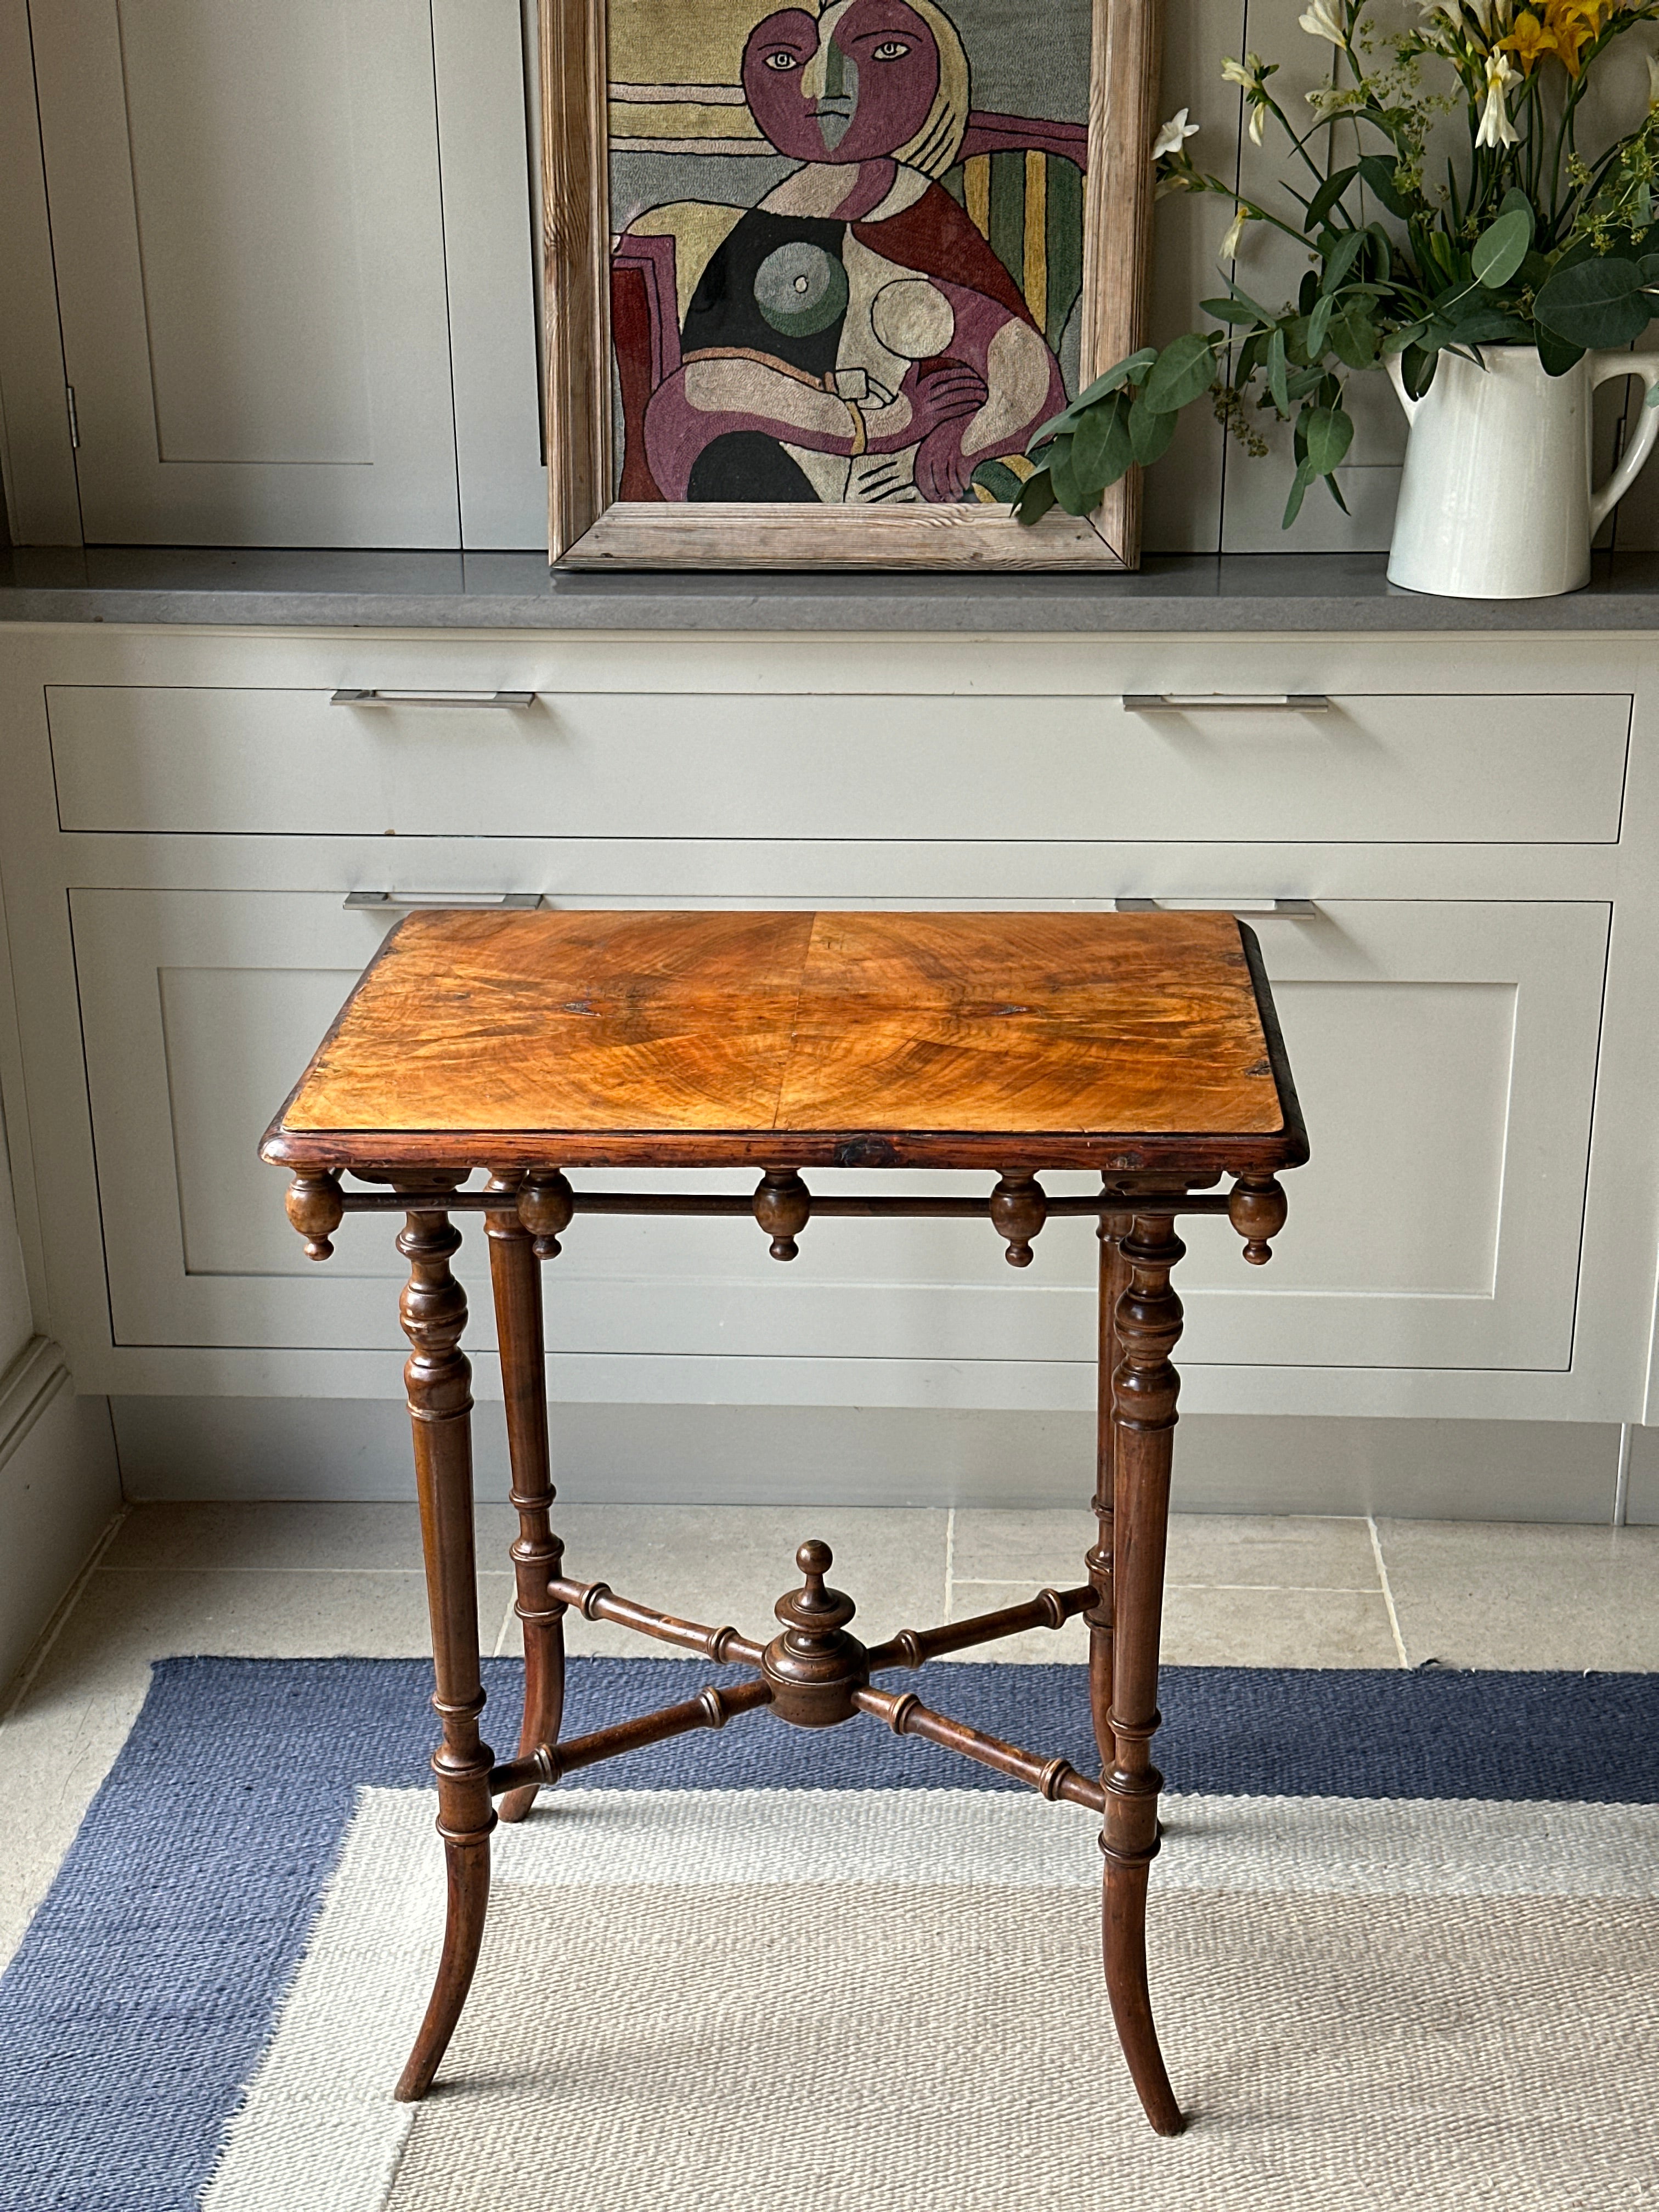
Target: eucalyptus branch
(1527,244)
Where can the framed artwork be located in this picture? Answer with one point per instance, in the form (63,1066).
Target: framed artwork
(815,273)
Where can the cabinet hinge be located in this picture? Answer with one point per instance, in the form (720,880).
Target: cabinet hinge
(75,420)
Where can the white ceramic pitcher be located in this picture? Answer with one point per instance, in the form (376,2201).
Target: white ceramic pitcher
(1496,501)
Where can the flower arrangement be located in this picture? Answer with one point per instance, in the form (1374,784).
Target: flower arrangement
(1523,241)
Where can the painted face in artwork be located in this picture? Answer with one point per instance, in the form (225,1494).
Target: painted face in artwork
(849,85)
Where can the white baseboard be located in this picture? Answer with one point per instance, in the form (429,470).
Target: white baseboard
(293,1448)
(59,1488)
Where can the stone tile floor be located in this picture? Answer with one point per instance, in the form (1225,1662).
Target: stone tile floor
(307,1580)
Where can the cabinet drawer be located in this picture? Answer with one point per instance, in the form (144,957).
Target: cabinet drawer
(1446,1052)
(1418,768)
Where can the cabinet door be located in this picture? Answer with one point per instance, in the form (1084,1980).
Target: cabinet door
(1446,1052)
(248,234)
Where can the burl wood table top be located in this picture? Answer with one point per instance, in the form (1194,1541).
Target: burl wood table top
(594,1038)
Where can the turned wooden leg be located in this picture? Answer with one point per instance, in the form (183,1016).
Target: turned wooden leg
(516,1275)
(439,1381)
(1098,1560)
(1144,1387)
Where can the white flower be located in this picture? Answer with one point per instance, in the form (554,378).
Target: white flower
(1496,127)
(1653,82)
(1235,232)
(1175,132)
(1320,23)
(1240,73)
(1258,121)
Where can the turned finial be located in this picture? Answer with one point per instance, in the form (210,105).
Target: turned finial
(1256,1207)
(1018,1210)
(812,1611)
(782,1205)
(545,1206)
(316,1209)
(815,1559)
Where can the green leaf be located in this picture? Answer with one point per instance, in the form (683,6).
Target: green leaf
(1299,483)
(1319,324)
(1335,492)
(1354,335)
(1130,370)
(1328,196)
(1502,247)
(1341,258)
(1557,355)
(1150,433)
(1231,310)
(1649,265)
(1185,368)
(1330,434)
(1377,174)
(1416,369)
(1488,326)
(1100,451)
(1036,496)
(1276,371)
(1594,303)
(1397,341)
(1067,491)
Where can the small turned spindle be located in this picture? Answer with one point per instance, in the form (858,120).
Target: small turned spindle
(783,1206)
(316,1209)
(1018,1210)
(1257,1210)
(545,1206)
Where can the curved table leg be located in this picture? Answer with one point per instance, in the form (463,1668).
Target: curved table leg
(438,1382)
(516,1277)
(1144,1387)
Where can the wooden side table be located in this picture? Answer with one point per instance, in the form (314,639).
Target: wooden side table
(1142,1045)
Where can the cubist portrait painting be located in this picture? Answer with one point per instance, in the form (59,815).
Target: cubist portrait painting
(848,257)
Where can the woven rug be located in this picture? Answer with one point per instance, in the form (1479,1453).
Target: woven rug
(1405,1940)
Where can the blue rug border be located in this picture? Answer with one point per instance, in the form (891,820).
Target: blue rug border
(126,2050)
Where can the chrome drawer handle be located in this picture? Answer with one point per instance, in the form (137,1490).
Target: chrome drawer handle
(516,700)
(1192,702)
(411,901)
(1279,909)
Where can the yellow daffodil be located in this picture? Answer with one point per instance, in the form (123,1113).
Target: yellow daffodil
(1573,24)
(1496,127)
(1529,40)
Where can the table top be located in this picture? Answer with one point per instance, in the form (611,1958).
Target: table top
(601,1038)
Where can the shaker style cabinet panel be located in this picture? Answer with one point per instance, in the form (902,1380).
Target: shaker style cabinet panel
(249,227)
(1458,768)
(1446,1053)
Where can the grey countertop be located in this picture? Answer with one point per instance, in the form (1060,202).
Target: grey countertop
(332,590)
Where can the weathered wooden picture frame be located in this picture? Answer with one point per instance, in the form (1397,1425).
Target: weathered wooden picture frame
(605,292)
